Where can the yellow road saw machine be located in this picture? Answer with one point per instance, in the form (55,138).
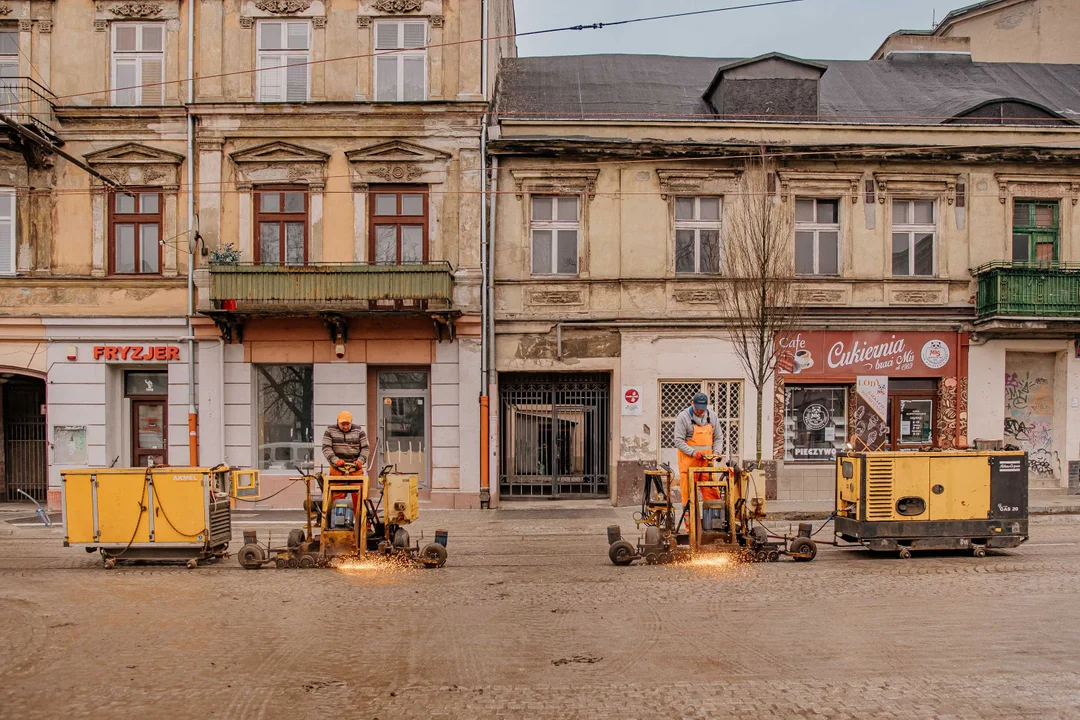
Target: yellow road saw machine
(347,524)
(720,515)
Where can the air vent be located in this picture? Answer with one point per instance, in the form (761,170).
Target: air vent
(879,484)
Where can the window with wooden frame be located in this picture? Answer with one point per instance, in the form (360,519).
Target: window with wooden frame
(135,222)
(817,236)
(281,226)
(283,56)
(1036,229)
(401,76)
(555,223)
(399,224)
(697,234)
(138,63)
(914,229)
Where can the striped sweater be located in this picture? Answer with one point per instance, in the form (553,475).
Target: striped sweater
(347,446)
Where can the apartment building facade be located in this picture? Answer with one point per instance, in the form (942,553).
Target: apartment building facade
(334,166)
(933,203)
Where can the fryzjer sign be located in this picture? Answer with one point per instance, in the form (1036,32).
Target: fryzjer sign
(136,352)
(828,354)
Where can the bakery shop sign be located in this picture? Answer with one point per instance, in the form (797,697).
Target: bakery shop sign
(834,354)
(136,353)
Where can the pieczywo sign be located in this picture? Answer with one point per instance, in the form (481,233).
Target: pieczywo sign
(850,354)
(136,353)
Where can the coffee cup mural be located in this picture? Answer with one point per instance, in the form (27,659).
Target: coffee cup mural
(802,360)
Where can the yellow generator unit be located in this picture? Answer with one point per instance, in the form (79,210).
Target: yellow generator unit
(904,501)
(152,513)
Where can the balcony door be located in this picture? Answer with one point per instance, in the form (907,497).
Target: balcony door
(399,224)
(1036,229)
(281,226)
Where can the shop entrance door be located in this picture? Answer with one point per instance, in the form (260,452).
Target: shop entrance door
(404,418)
(912,422)
(149,396)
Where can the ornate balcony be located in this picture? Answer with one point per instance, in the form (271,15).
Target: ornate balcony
(1016,290)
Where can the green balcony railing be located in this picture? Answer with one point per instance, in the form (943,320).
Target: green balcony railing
(329,286)
(1020,289)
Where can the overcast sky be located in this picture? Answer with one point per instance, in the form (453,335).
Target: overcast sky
(825,29)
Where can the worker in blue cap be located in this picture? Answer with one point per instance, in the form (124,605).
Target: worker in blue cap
(697,432)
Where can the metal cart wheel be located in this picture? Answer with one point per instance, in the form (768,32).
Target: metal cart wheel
(192,564)
(280,562)
(979,551)
(434,555)
(292,562)
(251,557)
(621,553)
(905,553)
(805,547)
(307,561)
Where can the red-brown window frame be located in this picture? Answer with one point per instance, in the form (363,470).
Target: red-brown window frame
(137,219)
(280,217)
(398,219)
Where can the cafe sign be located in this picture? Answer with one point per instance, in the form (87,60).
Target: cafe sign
(835,354)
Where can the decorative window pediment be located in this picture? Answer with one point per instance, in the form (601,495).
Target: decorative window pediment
(281,162)
(106,10)
(137,164)
(919,184)
(398,162)
(681,181)
(819,183)
(556,182)
(1033,185)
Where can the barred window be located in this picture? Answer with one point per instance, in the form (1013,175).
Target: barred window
(725,402)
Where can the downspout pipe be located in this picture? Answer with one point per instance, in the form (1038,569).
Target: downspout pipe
(485,311)
(193,419)
(491,430)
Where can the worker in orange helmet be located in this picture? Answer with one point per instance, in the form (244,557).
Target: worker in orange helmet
(346,444)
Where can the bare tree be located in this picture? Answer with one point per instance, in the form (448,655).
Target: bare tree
(758,295)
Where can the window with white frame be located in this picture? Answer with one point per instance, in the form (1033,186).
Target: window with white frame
(283,57)
(697,234)
(401,76)
(138,63)
(7,231)
(914,227)
(555,227)
(9,71)
(817,236)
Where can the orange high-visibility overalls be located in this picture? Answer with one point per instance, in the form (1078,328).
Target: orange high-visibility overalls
(701,440)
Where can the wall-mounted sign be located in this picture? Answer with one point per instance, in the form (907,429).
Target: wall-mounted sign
(631,400)
(874,391)
(136,353)
(847,354)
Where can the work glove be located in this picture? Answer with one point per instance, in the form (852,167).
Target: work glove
(698,454)
(339,463)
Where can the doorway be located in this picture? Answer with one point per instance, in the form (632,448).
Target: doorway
(554,435)
(25,460)
(148,393)
(404,416)
(912,406)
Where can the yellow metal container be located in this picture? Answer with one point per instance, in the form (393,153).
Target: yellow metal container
(150,513)
(401,499)
(932,500)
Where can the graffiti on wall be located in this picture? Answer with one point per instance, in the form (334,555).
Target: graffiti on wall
(1029,409)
